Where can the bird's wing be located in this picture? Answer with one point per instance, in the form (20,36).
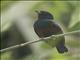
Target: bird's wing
(46,28)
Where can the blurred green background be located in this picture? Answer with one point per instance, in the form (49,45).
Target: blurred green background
(17,19)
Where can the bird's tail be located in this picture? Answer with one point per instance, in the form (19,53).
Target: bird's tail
(61,49)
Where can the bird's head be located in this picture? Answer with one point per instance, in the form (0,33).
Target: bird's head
(44,15)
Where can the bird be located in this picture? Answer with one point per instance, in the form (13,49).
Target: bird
(45,27)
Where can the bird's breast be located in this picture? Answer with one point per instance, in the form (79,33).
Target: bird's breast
(43,29)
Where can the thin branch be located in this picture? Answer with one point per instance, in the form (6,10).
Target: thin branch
(41,39)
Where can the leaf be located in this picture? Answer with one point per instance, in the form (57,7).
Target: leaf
(75,18)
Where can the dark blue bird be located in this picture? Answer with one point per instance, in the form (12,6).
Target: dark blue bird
(45,27)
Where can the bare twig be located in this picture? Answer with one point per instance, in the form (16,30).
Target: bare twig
(42,39)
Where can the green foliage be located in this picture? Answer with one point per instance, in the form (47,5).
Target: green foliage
(6,56)
(6,4)
(65,12)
